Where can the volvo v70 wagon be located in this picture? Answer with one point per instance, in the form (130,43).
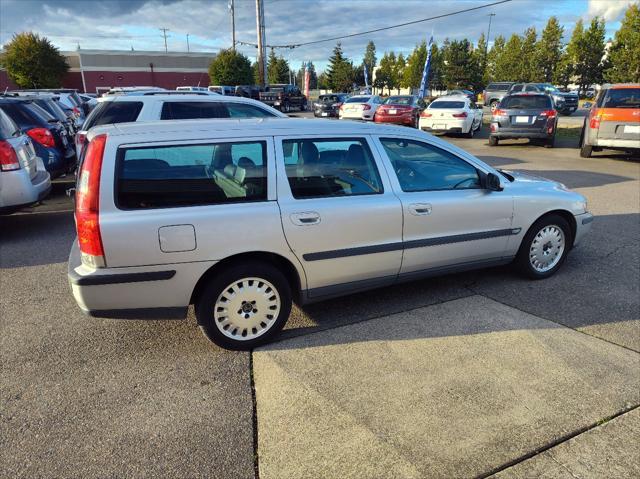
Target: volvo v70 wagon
(242,217)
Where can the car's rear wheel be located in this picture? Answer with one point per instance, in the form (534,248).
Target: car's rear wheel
(551,142)
(544,247)
(471,131)
(244,306)
(493,141)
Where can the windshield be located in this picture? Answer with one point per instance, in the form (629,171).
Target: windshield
(328,98)
(524,102)
(621,98)
(550,88)
(276,89)
(358,99)
(399,100)
(447,104)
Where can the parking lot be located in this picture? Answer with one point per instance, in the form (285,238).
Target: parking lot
(467,375)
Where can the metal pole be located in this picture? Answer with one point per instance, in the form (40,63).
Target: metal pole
(260,33)
(233,25)
(164,34)
(486,46)
(188,43)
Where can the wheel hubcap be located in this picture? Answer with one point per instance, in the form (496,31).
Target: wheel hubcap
(547,248)
(246,309)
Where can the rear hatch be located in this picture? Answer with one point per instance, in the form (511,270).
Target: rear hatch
(618,114)
(26,155)
(524,113)
(442,112)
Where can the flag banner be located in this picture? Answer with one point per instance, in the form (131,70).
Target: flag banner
(306,79)
(425,72)
(366,77)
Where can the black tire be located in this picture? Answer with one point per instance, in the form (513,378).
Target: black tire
(205,304)
(523,262)
(493,141)
(470,133)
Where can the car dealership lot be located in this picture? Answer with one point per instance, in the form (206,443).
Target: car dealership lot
(455,376)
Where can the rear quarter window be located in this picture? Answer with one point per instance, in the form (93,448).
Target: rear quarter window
(191,175)
(188,110)
(110,112)
(8,129)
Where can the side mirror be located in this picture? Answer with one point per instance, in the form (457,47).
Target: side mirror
(493,182)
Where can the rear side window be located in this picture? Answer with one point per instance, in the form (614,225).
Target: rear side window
(191,175)
(21,115)
(188,110)
(109,112)
(620,98)
(498,86)
(322,168)
(534,102)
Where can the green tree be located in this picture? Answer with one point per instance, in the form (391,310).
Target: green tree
(549,51)
(32,61)
(323,81)
(340,72)
(370,60)
(277,69)
(459,68)
(385,75)
(588,60)
(568,60)
(507,66)
(230,67)
(527,64)
(412,75)
(624,54)
(492,59)
(480,58)
(398,72)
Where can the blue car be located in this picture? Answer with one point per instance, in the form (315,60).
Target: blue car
(49,136)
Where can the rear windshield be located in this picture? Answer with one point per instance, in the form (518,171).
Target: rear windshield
(21,115)
(498,86)
(447,104)
(620,98)
(109,112)
(537,102)
(358,99)
(8,128)
(399,100)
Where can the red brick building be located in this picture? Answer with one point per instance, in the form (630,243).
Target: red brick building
(96,70)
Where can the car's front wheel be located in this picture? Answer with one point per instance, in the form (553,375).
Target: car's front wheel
(493,141)
(544,247)
(244,306)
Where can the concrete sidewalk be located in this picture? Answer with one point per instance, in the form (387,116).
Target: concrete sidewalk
(452,390)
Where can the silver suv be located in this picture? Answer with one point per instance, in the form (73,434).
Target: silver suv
(242,217)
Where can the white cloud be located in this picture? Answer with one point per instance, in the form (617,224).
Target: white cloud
(610,10)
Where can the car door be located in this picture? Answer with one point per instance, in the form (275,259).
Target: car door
(450,219)
(338,211)
(477,115)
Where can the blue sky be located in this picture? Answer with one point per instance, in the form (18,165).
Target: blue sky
(126,24)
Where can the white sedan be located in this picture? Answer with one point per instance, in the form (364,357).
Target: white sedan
(452,115)
(360,107)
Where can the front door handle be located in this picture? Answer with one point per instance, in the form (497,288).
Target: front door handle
(305,218)
(420,209)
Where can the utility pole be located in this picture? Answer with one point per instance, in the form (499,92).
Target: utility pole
(164,34)
(188,43)
(233,24)
(261,42)
(486,46)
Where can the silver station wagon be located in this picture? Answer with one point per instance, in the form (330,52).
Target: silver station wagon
(242,217)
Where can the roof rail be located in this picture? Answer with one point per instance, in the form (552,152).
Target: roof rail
(172,92)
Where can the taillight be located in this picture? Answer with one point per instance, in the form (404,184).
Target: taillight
(81,138)
(42,136)
(549,114)
(500,113)
(87,204)
(594,122)
(493,127)
(366,107)
(460,115)
(8,158)
(76,112)
(425,114)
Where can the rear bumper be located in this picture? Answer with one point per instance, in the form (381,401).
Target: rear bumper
(19,191)
(583,225)
(139,292)
(356,116)
(517,133)
(394,119)
(443,126)
(617,143)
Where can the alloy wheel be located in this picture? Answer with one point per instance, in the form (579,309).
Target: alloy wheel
(547,248)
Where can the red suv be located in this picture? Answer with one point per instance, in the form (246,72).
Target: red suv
(614,120)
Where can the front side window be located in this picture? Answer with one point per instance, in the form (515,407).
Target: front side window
(191,175)
(423,167)
(322,168)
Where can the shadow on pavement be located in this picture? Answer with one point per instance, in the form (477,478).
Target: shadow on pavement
(578,179)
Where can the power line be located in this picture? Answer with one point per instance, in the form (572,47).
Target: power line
(164,34)
(413,22)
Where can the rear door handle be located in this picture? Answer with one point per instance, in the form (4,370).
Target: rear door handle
(305,218)
(420,209)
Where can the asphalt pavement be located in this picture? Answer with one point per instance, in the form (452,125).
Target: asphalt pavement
(82,397)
